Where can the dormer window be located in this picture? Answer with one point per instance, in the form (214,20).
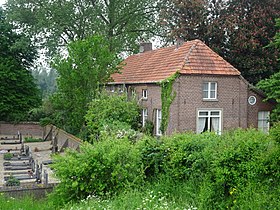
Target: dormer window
(209,90)
(144,94)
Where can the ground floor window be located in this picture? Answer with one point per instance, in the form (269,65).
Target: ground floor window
(144,116)
(158,122)
(263,121)
(209,120)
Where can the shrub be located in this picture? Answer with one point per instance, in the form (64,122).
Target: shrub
(275,132)
(8,156)
(31,139)
(107,167)
(110,111)
(12,181)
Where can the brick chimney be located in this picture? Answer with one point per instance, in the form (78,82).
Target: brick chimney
(145,46)
(179,42)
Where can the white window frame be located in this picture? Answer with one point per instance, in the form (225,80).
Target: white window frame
(208,119)
(209,90)
(144,94)
(144,116)
(263,121)
(158,122)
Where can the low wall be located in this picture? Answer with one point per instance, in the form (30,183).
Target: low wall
(62,138)
(49,132)
(36,191)
(26,128)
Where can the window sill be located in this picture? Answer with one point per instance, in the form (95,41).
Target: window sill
(210,100)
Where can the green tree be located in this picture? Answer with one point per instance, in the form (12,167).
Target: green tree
(88,66)
(271,86)
(238,30)
(46,80)
(17,88)
(55,23)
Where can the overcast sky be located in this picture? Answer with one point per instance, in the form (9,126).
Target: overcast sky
(2,2)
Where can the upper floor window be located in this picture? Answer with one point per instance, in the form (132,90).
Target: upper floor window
(144,94)
(263,121)
(210,90)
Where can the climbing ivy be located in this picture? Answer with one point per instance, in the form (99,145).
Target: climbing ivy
(167,97)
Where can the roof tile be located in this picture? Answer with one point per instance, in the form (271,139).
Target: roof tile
(193,57)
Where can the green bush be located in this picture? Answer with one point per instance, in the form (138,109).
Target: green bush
(237,170)
(112,112)
(105,168)
(8,156)
(275,132)
(12,181)
(31,139)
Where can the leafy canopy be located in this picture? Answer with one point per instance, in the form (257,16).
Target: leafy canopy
(238,30)
(55,23)
(271,86)
(17,89)
(88,65)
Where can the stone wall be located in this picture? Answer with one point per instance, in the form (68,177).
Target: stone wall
(61,138)
(35,191)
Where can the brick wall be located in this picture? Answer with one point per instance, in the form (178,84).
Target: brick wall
(254,109)
(26,128)
(232,100)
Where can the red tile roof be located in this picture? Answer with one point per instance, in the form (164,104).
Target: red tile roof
(192,57)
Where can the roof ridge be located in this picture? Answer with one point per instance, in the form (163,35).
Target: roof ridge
(186,58)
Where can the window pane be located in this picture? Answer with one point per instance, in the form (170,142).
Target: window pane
(202,113)
(215,113)
(213,86)
(212,94)
(205,86)
(205,94)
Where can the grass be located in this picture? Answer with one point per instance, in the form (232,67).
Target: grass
(153,197)
(25,203)
(31,139)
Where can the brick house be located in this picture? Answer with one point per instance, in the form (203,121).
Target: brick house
(210,93)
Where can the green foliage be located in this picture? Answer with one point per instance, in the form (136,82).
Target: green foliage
(237,170)
(46,80)
(237,30)
(148,129)
(17,88)
(88,65)
(167,97)
(271,87)
(31,139)
(55,23)
(275,132)
(8,156)
(12,181)
(25,203)
(107,167)
(111,114)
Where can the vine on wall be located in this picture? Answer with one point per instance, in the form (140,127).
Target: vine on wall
(167,97)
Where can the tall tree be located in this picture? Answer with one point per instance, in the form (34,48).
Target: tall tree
(271,86)
(88,66)
(56,23)
(236,29)
(17,88)
(46,80)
